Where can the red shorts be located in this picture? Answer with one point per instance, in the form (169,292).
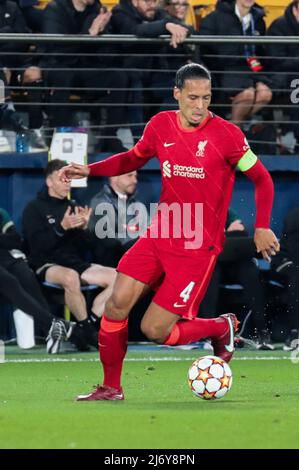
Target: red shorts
(179,277)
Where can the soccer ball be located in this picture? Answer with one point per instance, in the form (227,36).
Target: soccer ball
(210,377)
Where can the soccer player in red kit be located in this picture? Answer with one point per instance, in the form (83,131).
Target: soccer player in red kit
(198,154)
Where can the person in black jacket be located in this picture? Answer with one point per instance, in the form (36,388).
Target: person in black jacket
(117,219)
(286,268)
(286,59)
(19,286)
(248,90)
(143,18)
(83,17)
(56,232)
(183,53)
(11,21)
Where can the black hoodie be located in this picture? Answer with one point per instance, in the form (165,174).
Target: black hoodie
(285,25)
(222,22)
(48,242)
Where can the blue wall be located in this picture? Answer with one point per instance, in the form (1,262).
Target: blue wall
(21,177)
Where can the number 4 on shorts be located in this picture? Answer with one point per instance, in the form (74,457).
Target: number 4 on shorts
(185,294)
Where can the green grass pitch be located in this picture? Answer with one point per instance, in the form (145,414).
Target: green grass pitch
(37,407)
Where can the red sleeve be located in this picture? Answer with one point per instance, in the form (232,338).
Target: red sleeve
(118,164)
(131,160)
(264,193)
(236,144)
(146,145)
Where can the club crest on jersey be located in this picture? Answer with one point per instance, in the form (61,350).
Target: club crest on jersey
(201,148)
(167,169)
(246,145)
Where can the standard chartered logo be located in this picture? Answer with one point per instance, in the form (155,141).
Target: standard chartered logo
(183,171)
(167,169)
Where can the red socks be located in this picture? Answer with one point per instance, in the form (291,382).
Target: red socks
(190,331)
(113,341)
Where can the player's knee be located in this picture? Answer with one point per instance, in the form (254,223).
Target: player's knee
(116,308)
(153,332)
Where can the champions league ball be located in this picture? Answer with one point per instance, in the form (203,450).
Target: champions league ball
(210,377)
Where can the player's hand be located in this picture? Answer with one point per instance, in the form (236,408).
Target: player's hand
(266,243)
(178,33)
(74,171)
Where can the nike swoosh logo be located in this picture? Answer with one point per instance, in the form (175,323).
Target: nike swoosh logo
(178,305)
(230,347)
(168,145)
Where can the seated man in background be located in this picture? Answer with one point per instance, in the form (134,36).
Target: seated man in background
(84,67)
(284,58)
(175,57)
(145,19)
(236,265)
(286,267)
(55,229)
(183,53)
(19,286)
(118,230)
(240,72)
(17,67)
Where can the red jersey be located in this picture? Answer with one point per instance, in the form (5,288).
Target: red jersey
(197,166)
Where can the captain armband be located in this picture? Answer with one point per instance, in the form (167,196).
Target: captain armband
(247,161)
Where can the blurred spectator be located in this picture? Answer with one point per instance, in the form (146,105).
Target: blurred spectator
(285,265)
(83,17)
(10,119)
(143,18)
(248,90)
(19,286)
(236,265)
(287,64)
(33,14)
(55,230)
(183,53)
(122,224)
(18,69)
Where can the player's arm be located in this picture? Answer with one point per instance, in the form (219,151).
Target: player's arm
(265,240)
(118,164)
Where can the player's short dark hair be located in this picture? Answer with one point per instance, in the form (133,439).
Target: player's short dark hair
(54,165)
(191,71)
